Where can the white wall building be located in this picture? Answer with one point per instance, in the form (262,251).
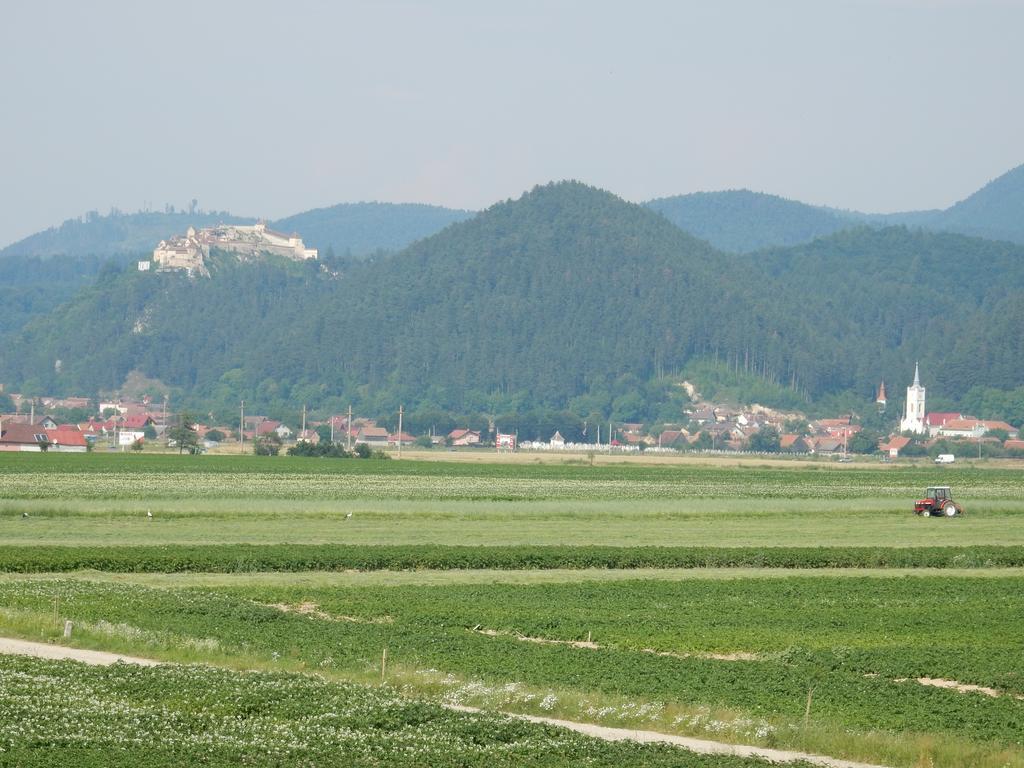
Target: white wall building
(913,416)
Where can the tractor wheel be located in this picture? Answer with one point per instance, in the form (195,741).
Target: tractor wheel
(949,510)
(925,513)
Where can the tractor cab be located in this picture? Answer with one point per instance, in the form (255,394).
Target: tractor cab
(938,500)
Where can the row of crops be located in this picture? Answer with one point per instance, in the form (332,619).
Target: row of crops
(246,558)
(65,713)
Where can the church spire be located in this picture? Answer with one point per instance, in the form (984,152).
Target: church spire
(917,376)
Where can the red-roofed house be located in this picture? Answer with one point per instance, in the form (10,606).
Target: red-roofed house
(464,437)
(407,439)
(67,440)
(1014,445)
(269,425)
(1009,429)
(22,437)
(372,436)
(137,421)
(793,444)
(894,445)
(974,428)
(936,420)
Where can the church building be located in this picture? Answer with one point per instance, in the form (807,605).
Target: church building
(913,417)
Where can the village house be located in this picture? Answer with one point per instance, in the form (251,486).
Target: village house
(373,436)
(464,437)
(704,416)
(557,441)
(269,426)
(405,438)
(828,445)
(67,439)
(22,437)
(894,445)
(936,420)
(793,444)
(973,428)
(673,438)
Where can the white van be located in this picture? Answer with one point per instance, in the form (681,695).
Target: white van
(945,458)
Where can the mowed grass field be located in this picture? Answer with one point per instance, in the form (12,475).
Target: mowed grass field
(893,666)
(98,500)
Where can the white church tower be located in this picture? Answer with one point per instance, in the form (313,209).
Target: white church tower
(913,417)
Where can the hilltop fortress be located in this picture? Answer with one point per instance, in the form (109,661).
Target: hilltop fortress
(191,251)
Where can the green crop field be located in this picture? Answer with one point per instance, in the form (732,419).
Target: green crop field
(802,607)
(95,500)
(166,717)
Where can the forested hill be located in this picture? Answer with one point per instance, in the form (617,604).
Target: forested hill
(566,291)
(890,296)
(742,221)
(355,229)
(995,211)
(34,285)
(358,229)
(95,235)
(567,296)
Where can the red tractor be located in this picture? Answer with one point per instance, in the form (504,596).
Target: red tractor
(938,502)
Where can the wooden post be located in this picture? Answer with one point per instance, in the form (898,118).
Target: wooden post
(383,665)
(67,629)
(807,710)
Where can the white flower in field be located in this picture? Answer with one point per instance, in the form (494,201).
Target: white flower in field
(548,702)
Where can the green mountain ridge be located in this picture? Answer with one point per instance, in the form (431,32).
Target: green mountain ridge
(742,221)
(738,221)
(359,229)
(116,233)
(568,297)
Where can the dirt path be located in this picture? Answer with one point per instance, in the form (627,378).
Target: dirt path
(700,746)
(47,651)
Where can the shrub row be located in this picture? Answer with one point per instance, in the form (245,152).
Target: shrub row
(237,558)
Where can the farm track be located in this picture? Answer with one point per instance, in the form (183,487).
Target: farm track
(13,646)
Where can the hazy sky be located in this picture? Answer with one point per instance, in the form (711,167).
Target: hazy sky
(267,109)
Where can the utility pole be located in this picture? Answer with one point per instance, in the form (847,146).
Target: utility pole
(333,419)
(303,432)
(348,431)
(400,411)
(241,429)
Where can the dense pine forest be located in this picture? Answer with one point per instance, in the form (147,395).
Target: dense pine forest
(566,299)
